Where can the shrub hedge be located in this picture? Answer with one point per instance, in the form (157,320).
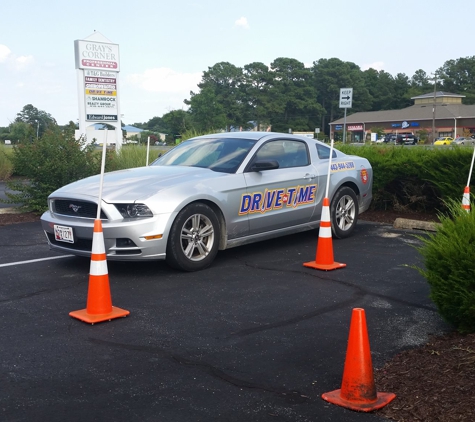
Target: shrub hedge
(418,178)
(449,266)
(45,165)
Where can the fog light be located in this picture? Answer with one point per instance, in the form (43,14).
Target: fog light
(124,243)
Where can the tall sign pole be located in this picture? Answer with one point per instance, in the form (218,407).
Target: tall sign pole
(346,99)
(97,70)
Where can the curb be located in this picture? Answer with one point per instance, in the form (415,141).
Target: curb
(11,210)
(404,223)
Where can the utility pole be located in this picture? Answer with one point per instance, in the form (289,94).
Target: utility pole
(433,108)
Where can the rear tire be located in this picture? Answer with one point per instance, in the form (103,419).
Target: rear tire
(344,212)
(194,238)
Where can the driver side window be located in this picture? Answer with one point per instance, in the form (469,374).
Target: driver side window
(286,153)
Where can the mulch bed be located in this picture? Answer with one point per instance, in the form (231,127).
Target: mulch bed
(433,383)
(26,217)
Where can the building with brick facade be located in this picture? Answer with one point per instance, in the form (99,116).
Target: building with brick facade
(442,111)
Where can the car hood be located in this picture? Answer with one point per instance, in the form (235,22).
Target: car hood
(135,184)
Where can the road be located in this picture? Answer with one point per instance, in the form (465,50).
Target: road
(255,337)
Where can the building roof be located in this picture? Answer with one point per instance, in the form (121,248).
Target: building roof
(127,128)
(438,94)
(414,112)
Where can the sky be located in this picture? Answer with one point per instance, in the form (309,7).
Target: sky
(165,46)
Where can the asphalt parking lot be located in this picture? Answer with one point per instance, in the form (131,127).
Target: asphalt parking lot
(256,337)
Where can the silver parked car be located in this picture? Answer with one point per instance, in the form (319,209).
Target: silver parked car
(464,141)
(211,193)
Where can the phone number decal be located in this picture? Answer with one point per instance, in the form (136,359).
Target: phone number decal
(343,166)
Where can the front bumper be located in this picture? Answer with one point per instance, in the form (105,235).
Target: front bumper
(124,240)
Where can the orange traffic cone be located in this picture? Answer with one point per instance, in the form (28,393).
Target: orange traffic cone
(324,257)
(358,391)
(99,304)
(466,199)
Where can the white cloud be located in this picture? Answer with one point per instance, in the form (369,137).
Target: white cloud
(242,23)
(165,80)
(4,53)
(23,62)
(14,62)
(376,66)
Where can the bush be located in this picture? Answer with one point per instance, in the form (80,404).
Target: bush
(45,165)
(6,167)
(450,266)
(417,178)
(129,156)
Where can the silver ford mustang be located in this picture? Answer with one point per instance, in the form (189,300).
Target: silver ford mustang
(211,193)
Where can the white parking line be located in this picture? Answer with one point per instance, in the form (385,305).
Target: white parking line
(34,260)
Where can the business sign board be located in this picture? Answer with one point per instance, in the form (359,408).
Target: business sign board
(98,66)
(96,55)
(355,128)
(100,91)
(405,125)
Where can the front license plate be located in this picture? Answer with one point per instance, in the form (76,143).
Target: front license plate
(63,234)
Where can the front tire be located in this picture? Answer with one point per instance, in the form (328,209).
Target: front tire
(194,238)
(344,212)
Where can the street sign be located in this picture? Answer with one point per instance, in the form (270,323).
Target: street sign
(346,97)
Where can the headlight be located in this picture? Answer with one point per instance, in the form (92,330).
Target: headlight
(134,210)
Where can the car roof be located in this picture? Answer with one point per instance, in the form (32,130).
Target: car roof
(254,135)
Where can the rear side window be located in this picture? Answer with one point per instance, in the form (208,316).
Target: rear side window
(324,152)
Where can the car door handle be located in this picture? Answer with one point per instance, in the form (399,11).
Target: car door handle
(310,176)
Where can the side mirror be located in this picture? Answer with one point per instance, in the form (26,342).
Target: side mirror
(264,165)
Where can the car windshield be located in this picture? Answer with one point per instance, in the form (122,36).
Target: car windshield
(222,154)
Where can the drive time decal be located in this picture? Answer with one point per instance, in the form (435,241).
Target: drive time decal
(276,199)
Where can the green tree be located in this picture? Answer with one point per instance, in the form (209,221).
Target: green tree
(402,96)
(330,75)
(39,120)
(458,76)
(70,129)
(225,80)
(293,97)
(257,83)
(207,112)
(155,124)
(21,132)
(380,86)
(175,123)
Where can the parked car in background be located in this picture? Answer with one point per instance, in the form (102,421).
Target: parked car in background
(464,141)
(390,138)
(406,139)
(211,193)
(445,140)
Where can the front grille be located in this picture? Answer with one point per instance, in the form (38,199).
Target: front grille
(75,208)
(79,244)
